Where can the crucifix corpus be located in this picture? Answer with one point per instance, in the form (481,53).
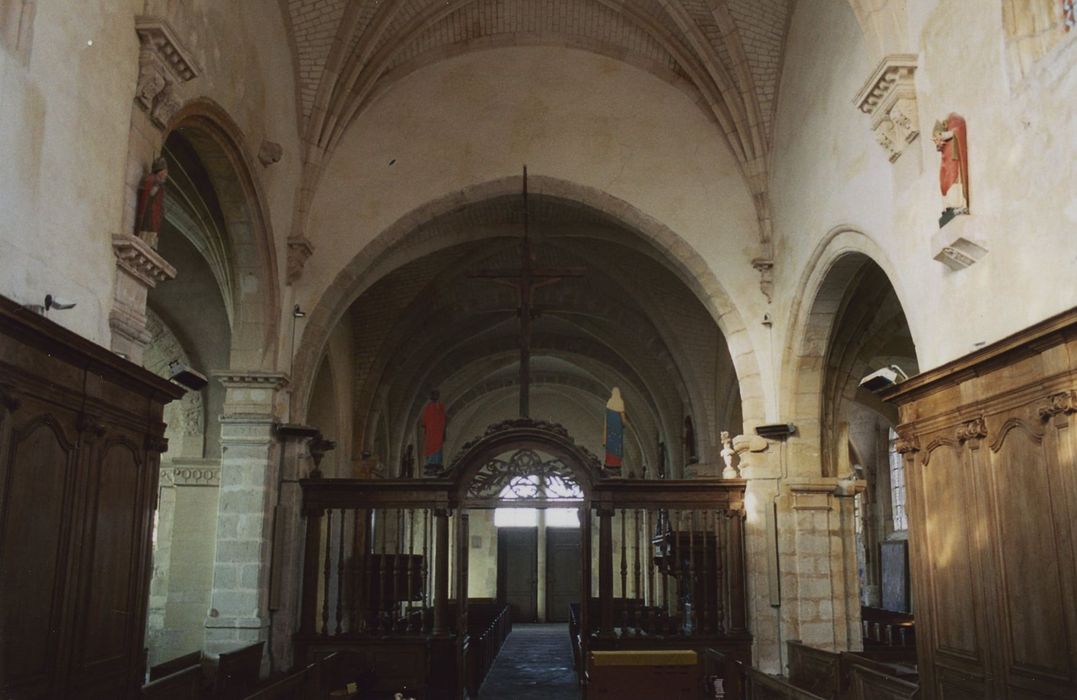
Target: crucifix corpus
(526,279)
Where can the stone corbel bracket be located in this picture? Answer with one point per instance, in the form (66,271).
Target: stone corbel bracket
(139,268)
(299,250)
(163,65)
(889,98)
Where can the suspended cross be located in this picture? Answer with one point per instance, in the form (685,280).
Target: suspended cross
(526,279)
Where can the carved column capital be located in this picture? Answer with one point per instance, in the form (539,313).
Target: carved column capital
(164,64)
(889,98)
(1058,406)
(972,432)
(906,444)
(90,427)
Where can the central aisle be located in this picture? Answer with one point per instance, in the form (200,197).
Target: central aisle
(536,662)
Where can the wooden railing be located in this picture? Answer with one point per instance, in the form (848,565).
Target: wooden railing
(384,558)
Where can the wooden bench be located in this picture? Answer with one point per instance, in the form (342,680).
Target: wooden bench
(180,663)
(185,684)
(643,675)
(814,670)
(304,684)
(238,672)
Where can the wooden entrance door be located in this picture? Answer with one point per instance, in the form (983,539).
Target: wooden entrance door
(517,571)
(562,572)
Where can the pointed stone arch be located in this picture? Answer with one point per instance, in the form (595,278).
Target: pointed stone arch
(251,275)
(386,253)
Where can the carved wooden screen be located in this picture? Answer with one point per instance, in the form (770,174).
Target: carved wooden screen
(524,475)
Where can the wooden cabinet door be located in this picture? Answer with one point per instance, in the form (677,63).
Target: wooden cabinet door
(38,465)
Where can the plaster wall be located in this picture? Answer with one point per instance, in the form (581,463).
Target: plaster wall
(64,119)
(829,173)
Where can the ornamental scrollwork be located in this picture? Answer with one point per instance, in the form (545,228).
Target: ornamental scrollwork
(974,429)
(525,475)
(1062,403)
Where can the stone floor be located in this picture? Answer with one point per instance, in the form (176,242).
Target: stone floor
(536,662)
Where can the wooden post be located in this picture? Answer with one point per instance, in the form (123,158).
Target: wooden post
(605,569)
(310,572)
(441,571)
(586,563)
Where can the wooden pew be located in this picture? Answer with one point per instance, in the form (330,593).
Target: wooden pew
(304,684)
(185,684)
(238,671)
(866,678)
(763,686)
(180,663)
(814,670)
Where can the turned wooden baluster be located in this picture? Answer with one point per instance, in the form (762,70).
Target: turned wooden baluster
(624,576)
(719,575)
(441,572)
(652,599)
(382,520)
(327,577)
(311,548)
(410,626)
(708,574)
(362,539)
(637,573)
(394,619)
(605,570)
(340,576)
(427,598)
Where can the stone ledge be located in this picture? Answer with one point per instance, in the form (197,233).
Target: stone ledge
(958,244)
(143,262)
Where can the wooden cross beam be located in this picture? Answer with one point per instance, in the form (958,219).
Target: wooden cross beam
(526,279)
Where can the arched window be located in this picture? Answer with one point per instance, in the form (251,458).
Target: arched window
(533,487)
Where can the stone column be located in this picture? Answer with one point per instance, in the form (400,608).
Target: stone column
(817,554)
(250,471)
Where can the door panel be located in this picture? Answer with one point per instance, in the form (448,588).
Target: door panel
(562,572)
(517,571)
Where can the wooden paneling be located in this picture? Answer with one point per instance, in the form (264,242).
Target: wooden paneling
(80,442)
(990,459)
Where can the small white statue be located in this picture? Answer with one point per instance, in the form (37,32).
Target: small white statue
(728,456)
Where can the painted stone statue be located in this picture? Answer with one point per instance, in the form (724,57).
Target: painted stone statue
(951,140)
(729,456)
(407,462)
(614,435)
(433,434)
(149,214)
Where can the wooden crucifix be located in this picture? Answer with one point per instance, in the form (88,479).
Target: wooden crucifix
(526,279)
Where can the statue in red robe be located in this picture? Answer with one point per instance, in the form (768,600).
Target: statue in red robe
(433,420)
(951,140)
(151,202)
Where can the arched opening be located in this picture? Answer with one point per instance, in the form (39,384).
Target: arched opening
(202,319)
(854,328)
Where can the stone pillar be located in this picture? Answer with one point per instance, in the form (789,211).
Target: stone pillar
(250,471)
(817,552)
